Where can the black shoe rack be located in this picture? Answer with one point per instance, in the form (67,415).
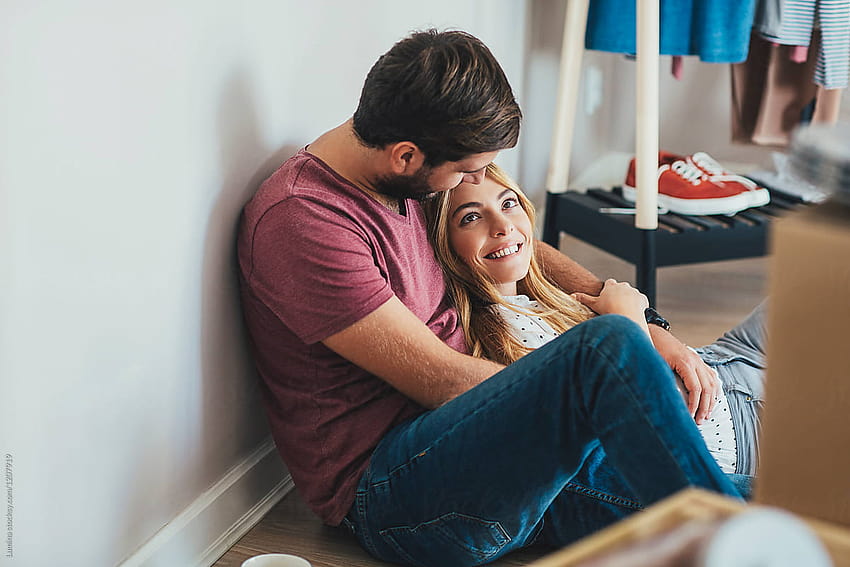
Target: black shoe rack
(679,239)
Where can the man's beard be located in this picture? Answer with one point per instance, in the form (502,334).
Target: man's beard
(406,186)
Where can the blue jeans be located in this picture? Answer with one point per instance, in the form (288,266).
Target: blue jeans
(563,442)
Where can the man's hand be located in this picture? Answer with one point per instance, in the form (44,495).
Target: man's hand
(699,379)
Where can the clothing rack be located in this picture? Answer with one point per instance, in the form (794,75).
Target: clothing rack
(677,239)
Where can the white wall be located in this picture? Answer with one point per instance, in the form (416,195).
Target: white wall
(130,136)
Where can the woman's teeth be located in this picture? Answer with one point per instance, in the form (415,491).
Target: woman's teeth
(503,252)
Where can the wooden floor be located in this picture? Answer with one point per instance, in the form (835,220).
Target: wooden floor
(701,301)
(292,528)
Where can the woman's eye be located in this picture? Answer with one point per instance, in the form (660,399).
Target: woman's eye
(468,218)
(510,203)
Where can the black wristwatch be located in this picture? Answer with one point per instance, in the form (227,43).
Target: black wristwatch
(653,318)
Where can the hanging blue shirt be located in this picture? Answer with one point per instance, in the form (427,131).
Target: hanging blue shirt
(716,30)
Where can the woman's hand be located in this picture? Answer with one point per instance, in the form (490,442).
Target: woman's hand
(618,298)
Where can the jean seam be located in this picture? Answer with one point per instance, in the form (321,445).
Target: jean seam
(361,518)
(603,496)
(388,535)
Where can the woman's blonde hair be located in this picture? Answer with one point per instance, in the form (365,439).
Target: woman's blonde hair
(475,295)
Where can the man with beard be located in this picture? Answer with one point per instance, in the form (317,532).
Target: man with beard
(388,427)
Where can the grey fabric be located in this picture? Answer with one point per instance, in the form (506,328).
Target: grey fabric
(739,358)
(768,17)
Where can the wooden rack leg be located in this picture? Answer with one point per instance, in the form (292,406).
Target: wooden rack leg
(646,265)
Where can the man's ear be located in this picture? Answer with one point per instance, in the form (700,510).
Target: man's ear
(406,158)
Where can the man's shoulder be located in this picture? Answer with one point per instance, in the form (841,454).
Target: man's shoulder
(302,182)
(302,174)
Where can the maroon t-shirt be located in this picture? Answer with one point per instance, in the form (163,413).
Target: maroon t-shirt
(316,255)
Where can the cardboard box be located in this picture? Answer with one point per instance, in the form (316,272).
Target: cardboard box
(689,504)
(805,443)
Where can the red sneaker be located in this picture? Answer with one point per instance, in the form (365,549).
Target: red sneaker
(686,189)
(758,196)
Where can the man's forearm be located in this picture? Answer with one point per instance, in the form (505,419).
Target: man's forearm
(568,274)
(395,345)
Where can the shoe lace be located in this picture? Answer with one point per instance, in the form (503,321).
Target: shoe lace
(688,172)
(716,171)
(707,163)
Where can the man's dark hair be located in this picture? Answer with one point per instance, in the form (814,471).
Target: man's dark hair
(443,91)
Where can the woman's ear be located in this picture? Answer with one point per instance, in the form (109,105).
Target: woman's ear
(405,158)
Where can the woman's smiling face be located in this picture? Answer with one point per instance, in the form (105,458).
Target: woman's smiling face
(488,228)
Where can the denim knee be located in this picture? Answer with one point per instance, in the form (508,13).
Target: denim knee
(616,325)
(615,341)
(615,333)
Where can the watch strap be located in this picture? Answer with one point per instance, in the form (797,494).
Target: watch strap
(654,318)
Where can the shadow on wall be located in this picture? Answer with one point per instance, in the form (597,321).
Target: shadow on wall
(225,422)
(232,423)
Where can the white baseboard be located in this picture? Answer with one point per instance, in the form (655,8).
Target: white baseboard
(219,517)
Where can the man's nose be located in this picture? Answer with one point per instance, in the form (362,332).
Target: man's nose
(474,178)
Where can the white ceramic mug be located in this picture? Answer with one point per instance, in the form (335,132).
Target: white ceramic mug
(276,560)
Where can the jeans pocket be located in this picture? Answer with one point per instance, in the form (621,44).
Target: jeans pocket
(449,540)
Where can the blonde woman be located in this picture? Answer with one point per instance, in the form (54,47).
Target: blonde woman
(483,236)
